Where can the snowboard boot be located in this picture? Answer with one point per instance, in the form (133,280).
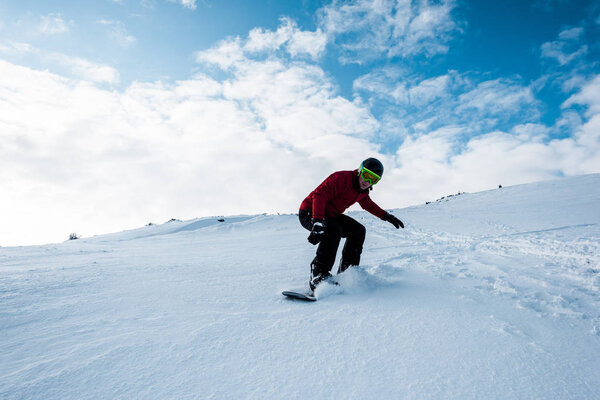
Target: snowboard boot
(317,275)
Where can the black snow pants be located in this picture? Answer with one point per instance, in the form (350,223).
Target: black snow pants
(338,227)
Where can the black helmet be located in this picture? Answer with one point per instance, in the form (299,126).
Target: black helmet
(373,165)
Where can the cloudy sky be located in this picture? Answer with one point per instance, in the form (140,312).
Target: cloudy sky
(116,113)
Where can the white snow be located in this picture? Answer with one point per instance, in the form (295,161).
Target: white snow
(492,295)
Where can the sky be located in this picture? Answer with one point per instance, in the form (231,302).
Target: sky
(118,113)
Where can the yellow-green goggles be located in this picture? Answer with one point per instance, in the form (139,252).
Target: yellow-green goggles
(368,176)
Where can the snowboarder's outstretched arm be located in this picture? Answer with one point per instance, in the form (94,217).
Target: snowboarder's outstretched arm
(369,205)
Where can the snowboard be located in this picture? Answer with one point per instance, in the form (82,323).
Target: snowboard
(299,296)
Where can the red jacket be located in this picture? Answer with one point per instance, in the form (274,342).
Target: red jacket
(338,192)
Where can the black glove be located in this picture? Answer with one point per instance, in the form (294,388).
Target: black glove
(393,220)
(318,231)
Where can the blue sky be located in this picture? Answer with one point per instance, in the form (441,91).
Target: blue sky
(124,105)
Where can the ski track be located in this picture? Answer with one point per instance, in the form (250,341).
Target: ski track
(510,266)
(493,295)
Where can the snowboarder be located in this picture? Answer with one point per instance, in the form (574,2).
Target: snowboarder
(322,213)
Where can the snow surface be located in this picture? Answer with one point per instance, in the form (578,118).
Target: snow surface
(492,295)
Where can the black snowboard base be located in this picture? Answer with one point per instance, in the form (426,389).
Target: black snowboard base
(299,296)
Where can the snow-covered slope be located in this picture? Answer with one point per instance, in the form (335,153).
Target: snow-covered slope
(491,295)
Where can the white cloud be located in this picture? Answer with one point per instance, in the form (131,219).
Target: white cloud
(524,154)
(589,95)
(295,41)
(293,100)
(368,29)
(296,103)
(571,81)
(384,83)
(77,67)
(306,42)
(87,70)
(265,40)
(570,33)
(53,24)
(502,157)
(226,54)
(449,99)
(451,140)
(392,83)
(429,90)
(555,50)
(191,4)
(436,164)
(495,97)
(566,49)
(16,48)
(260,43)
(76,157)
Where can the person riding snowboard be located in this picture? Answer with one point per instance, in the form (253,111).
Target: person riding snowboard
(322,213)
